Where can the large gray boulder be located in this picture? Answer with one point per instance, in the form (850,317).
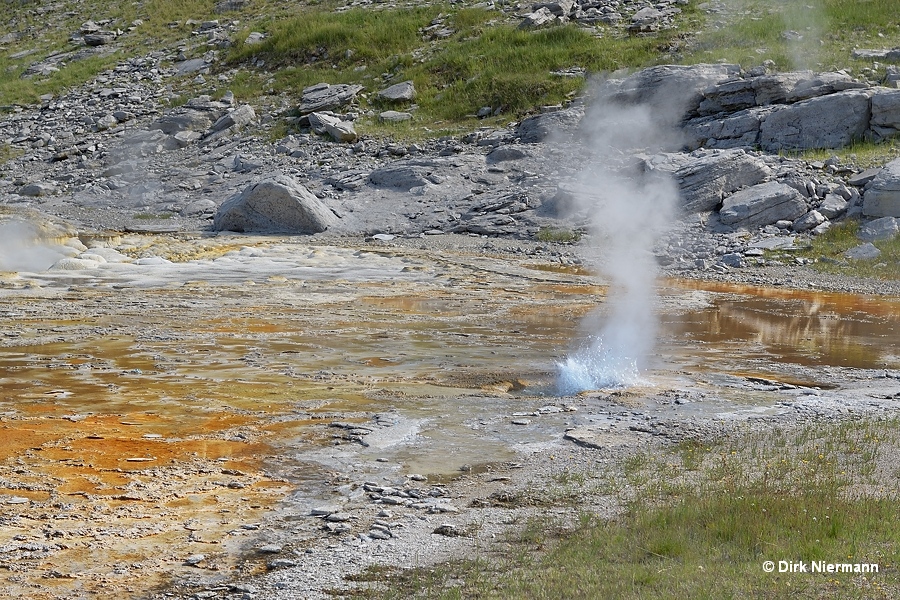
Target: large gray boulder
(704,183)
(882,198)
(277,204)
(885,228)
(886,113)
(540,127)
(831,121)
(867,251)
(762,204)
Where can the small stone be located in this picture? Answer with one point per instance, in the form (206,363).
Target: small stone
(194,559)
(270,549)
(338,517)
(280,563)
(378,534)
(393,116)
(448,530)
(323,511)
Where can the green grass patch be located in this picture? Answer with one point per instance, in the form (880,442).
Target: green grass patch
(859,154)
(801,34)
(702,522)
(560,235)
(8,152)
(484,62)
(828,251)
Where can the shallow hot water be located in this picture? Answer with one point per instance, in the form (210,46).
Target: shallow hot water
(162,411)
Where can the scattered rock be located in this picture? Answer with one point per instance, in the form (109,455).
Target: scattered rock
(399,92)
(393,116)
(338,129)
(323,96)
(448,530)
(705,182)
(810,220)
(539,18)
(866,251)
(35,190)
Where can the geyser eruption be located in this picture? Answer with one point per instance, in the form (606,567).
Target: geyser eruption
(629,205)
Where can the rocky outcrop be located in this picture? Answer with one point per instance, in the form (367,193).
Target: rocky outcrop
(409,174)
(671,90)
(541,127)
(278,204)
(831,121)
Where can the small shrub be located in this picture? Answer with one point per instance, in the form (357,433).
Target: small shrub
(558,235)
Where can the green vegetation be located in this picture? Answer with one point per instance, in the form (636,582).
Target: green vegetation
(803,34)
(7,153)
(153,216)
(703,520)
(484,62)
(828,251)
(557,234)
(860,154)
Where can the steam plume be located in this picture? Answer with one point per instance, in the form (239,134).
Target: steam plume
(629,206)
(21,248)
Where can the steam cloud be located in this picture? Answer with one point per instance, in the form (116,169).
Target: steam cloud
(629,205)
(21,248)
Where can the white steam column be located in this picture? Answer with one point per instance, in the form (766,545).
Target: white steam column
(629,207)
